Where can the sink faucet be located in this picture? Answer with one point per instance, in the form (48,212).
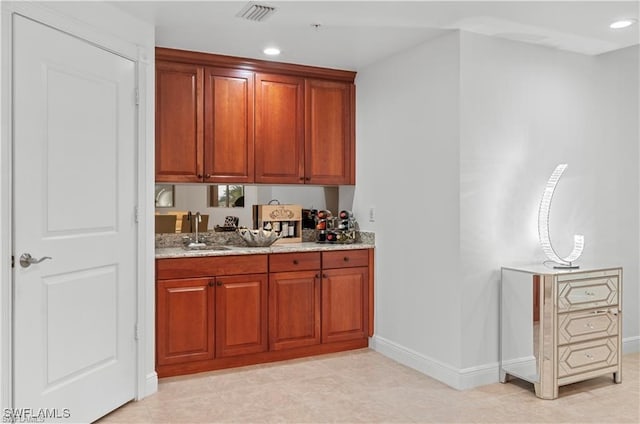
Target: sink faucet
(197,220)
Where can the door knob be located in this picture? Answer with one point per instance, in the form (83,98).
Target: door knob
(26,260)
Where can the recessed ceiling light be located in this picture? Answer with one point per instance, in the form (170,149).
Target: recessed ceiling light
(622,23)
(271,51)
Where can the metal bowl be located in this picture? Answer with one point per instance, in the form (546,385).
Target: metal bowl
(259,237)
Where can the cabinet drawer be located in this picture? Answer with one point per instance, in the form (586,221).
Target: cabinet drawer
(283,262)
(210,266)
(588,325)
(345,258)
(587,294)
(587,356)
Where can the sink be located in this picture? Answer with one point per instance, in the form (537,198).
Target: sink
(202,246)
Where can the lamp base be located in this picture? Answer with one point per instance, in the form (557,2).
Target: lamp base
(566,267)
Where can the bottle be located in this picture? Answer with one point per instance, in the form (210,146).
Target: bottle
(292,229)
(285,229)
(322,236)
(346,214)
(332,236)
(324,214)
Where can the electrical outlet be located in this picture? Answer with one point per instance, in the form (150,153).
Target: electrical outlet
(372,214)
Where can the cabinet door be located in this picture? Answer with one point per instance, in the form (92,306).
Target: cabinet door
(184,320)
(179,122)
(294,309)
(241,315)
(279,129)
(329,135)
(344,304)
(228,134)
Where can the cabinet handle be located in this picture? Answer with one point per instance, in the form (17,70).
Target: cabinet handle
(219,283)
(589,293)
(301,178)
(307,178)
(207,175)
(199,175)
(295,262)
(346,259)
(589,325)
(588,355)
(211,283)
(317,275)
(600,312)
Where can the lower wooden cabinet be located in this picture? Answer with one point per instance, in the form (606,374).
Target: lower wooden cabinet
(241,315)
(294,309)
(344,304)
(184,320)
(221,312)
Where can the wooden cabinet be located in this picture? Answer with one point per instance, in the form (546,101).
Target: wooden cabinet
(224,311)
(345,281)
(179,122)
(241,315)
(279,129)
(294,300)
(228,131)
(329,132)
(204,124)
(184,320)
(221,119)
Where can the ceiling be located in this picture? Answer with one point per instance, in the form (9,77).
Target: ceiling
(353,34)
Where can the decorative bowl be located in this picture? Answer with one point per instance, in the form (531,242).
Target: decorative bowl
(259,237)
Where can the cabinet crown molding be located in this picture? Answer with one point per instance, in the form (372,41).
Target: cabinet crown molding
(255,65)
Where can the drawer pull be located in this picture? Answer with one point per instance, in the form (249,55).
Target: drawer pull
(589,293)
(295,262)
(600,312)
(588,355)
(219,283)
(589,325)
(346,259)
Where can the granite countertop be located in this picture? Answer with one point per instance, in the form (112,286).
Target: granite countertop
(179,252)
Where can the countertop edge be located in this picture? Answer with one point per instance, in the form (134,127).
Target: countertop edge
(178,252)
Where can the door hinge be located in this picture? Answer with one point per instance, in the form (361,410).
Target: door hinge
(136,336)
(13,261)
(136,214)
(137,96)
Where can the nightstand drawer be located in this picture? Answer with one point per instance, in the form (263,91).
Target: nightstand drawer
(587,325)
(587,294)
(587,356)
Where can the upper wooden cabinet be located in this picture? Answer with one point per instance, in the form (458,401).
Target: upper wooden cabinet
(234,120)
(228,131)
(179,122)
(279,129)
(329,126)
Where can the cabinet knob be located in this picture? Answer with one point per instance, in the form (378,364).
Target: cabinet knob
(307,178)
(211,283)
(219,283)
(346,259)
(295,262)
(207,175)
(324,275)
(199,175)
(301,178)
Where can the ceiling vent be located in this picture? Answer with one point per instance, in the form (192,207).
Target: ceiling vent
(256,12)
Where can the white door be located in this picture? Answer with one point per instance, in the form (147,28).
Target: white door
(74,200)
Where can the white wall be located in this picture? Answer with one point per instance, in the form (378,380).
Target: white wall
(619,115)
(457,138)
(524,110)
(407,168)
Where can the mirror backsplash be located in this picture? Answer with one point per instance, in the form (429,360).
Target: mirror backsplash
(196,198)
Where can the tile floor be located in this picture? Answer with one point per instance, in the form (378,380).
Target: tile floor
(363,386)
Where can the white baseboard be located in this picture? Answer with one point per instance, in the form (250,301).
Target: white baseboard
(457,378)
(631,345)
(461,379)
(150,386)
